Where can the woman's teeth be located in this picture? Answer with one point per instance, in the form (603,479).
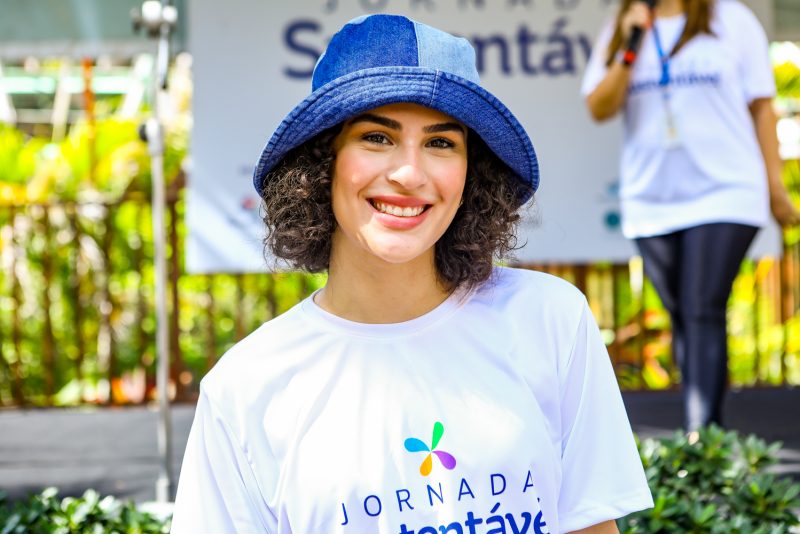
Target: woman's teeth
(398,211)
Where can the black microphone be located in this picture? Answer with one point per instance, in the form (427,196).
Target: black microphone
(635,40)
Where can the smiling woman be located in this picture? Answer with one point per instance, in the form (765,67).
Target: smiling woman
(403,179)
(398,180)
(299,216)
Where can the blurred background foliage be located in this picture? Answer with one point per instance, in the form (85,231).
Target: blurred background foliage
(76,288)
(77,321)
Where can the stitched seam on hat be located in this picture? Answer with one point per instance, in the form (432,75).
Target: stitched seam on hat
(416,38)
(435,86)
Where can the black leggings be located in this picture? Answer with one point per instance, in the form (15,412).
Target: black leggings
(693,271)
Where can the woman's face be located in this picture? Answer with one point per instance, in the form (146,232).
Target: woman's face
(398,180)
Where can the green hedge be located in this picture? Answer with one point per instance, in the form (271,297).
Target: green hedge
(716,484)
(46,513)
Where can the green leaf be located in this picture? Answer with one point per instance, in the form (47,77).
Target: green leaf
(45,514)
(717,485)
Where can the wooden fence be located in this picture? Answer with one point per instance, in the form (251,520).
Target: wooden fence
(77,321)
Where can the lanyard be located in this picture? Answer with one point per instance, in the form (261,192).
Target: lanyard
(663,57)
(672,138)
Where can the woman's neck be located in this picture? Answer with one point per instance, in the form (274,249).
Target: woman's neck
(369,290)
(669,8)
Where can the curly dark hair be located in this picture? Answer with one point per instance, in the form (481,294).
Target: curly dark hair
(300,221)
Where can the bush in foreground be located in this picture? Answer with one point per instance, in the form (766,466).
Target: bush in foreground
(716,484)
(46,513)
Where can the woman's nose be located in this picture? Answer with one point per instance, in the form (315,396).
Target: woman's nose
(408,171)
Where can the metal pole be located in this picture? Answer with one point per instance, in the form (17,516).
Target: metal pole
(159,18)
(164,482)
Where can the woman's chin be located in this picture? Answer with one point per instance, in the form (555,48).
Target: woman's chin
(398,258)
(400,254)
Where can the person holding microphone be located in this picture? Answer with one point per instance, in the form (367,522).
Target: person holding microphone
(700,170)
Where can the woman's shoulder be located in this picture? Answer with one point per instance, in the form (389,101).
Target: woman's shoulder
(734,12)
(261,355)
(527,280)
(538,313)
(530,292)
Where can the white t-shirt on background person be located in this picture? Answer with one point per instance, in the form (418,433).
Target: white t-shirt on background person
(496,409)
(715,171)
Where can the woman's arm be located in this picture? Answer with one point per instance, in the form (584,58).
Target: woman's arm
(609,95)
(607,527)
(765,123)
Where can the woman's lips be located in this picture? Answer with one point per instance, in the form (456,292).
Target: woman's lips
(401,219)
(403,202)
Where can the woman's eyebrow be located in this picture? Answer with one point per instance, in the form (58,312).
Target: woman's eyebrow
(445,127)
(378,119)
(395,125)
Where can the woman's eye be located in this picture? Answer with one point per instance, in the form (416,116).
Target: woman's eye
(377,138)
(441,142)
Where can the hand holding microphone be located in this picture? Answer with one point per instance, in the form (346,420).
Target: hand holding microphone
(634,23)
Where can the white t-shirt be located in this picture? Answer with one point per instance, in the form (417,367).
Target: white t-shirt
(315,424)
(715,172)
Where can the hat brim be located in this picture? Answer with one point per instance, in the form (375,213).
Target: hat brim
(367,89)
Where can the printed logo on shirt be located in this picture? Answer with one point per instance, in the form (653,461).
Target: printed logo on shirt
(712,79)
(683,72)
(463,514)
(447,460)
(460,500)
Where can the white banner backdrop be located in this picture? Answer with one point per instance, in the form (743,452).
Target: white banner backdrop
(252,65)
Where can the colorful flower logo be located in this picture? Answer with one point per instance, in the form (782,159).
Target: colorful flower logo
(445,458)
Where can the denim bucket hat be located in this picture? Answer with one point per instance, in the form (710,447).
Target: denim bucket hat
(377,60)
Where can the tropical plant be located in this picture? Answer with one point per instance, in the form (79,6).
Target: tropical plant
(46,513)
(713,483)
